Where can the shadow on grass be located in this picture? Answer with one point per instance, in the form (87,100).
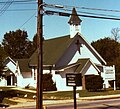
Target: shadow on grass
(3,105)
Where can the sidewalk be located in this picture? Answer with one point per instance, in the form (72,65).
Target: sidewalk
(26,90)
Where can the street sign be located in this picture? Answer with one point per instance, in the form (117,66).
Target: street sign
(73,79)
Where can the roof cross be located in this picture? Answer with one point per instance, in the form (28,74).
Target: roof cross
(78,46)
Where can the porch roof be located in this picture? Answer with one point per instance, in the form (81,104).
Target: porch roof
(79,66)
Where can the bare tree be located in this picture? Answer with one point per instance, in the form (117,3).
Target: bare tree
(115,33)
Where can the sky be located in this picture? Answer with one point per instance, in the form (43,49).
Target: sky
(23,15)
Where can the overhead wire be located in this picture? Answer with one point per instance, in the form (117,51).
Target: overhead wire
(60,7)
(6,6)
(57,5)
(9,2)
(88,16)
(80,7)
(27,20)
(18,1)
(20,10)
(83,12)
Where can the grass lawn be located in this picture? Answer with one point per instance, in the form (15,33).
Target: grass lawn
(11,92)
(82,93)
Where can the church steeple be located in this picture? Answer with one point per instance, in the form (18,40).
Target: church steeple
(74,22)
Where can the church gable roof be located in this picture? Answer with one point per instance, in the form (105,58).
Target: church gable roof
(93,51)
(52,50)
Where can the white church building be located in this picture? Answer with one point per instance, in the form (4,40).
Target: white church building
(65,54)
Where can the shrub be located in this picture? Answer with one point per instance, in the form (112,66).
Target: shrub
(118,81)
(93,82)
(111,83)
(48,84)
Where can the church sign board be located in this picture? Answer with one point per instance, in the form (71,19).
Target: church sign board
(73,79)
(109,72)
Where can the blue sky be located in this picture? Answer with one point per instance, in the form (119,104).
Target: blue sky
(56,26)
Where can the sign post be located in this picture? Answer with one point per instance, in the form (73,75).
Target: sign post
(74,91)
(74,80)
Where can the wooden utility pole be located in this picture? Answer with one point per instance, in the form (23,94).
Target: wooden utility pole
(39,99)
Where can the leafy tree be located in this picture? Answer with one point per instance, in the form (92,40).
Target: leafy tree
(118,81)
(17,45)
(3,55)
(108,48)
(35,40)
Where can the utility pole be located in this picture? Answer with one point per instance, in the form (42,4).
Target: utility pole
(39,99)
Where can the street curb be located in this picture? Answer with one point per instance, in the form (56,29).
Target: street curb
(100,97)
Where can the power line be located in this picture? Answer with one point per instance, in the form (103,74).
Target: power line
(27,20)
(80,7)
(20,10)
(90,13)
(58,6)
(6,6)
(110,10)
(19,1)
(88,16)
(61,7)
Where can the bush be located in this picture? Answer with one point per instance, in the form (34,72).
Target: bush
(48,84)
(111,83)
(93,82)
(118,81)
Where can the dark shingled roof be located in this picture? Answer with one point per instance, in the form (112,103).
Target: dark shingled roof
(80,65)
(74,19)
(23,65)
(52,50)
(82,62)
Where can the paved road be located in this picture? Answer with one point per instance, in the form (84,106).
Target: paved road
(96,104)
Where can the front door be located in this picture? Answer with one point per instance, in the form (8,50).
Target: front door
(9,80)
